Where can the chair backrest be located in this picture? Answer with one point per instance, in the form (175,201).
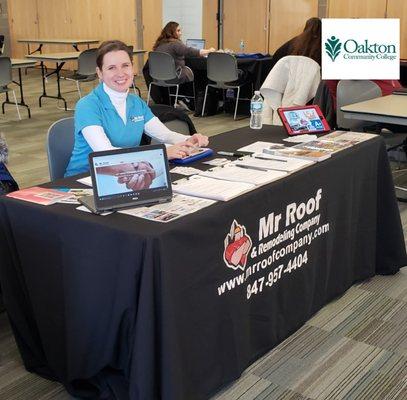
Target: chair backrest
(87,62)
(353,91)
(60,143)
(222,67)
(5,71)
(162,66)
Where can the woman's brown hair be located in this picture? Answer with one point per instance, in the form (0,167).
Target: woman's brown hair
(308,43)
(168,34)
(111,45)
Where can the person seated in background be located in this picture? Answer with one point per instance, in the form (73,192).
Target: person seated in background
(169,41)
(110,117)
(307,43)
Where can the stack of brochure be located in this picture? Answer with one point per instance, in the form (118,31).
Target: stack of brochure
(319,150)
(350,137)
(303,153)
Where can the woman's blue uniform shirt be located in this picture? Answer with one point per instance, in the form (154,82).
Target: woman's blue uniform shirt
(97,109)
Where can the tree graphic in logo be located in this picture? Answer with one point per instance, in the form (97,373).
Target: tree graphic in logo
(333,47)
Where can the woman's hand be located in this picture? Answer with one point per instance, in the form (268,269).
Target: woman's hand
(180,150)
(198,140)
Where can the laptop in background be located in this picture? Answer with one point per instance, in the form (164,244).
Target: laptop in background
(196,43)
(128,177)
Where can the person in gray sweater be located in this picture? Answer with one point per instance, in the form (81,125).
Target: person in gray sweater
(169,41)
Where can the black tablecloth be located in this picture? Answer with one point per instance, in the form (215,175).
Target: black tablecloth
(125,308)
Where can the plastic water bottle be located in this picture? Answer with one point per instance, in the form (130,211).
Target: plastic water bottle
(241,46)
(256,111)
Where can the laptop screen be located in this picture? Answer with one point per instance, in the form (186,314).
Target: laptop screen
(196,43)
(130,177)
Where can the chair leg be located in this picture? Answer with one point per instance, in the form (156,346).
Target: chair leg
(148,95)
(176,97)
(203,105)
(15,101)
(237,101)
(79,89)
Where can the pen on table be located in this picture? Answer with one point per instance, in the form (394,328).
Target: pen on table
(232,154)
(269,158)
(252,167)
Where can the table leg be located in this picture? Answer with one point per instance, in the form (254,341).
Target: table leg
(44,93)
(21,102)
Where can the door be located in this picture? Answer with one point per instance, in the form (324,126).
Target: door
(246,21)
(287,19)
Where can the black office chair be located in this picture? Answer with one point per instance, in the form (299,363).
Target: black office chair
(174,119)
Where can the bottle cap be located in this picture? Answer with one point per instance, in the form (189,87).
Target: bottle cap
(257,92)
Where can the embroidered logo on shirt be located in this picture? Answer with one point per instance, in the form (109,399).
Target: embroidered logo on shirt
(137,118)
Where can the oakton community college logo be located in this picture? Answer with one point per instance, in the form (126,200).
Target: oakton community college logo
(333,47)
(237,247)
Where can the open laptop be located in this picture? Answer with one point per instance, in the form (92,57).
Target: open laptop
(196,43)
(128,177)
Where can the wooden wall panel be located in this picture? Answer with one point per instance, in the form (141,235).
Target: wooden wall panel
(287,19)
(54,22)
(209,23)
(152,17)
(23,23)
(357,9)
(398,9)
(247,20)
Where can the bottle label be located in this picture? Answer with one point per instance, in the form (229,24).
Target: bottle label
(256,106)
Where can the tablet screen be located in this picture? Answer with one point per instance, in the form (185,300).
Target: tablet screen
(303,120)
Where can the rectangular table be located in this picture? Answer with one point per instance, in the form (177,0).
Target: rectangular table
(390,109)
(141,310)
(59,59)
(18,63)
(73,42)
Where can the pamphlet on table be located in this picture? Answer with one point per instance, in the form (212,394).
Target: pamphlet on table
(266,162)
(236,173)
(209,188)
(180,206)
(257,147)
(39,195)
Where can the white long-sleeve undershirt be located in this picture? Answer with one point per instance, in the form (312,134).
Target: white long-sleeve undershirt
(96,136)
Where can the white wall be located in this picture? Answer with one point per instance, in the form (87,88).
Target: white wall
(188,13)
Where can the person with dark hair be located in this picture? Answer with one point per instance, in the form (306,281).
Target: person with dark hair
(110,117)
(307,43)
(169,41)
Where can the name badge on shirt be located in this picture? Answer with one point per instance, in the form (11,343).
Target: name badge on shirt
(137,118)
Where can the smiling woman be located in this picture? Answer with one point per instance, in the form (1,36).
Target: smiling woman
(109,117)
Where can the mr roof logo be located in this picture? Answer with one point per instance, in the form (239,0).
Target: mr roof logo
(237,247)
(333,47)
